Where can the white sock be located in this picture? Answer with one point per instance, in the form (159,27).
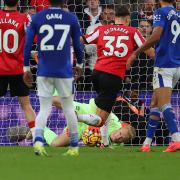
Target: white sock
(72,122)
(45,110)
(33,132)
(90,119)
(147,141)
(176,136)
(104,131)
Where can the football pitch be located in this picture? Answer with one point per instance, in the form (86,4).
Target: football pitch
(123,163)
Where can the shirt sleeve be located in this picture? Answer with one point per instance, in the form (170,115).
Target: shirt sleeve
(159,18)
(138,38)
(76,34)
(30,33)
(92,38)
(27,21)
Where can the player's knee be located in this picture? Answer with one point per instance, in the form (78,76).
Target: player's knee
(155,114)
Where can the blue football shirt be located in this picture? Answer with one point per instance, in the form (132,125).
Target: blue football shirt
(56,29)
(168,47)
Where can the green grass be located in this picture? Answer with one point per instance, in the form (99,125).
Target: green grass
(121,163)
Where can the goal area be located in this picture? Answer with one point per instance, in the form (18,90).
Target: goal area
(138,79)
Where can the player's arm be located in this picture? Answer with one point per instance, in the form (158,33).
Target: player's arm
(30,33)
(78,47)
(55,140)
(159,22)
(90,38)
(154,38)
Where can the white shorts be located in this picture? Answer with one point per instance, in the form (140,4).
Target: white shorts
(46,86)
(165,77)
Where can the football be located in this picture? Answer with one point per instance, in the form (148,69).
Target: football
(91,138)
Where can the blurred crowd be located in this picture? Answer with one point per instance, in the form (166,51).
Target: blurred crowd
(93,13)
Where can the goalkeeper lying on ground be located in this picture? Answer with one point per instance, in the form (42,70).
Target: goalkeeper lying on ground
(116,132)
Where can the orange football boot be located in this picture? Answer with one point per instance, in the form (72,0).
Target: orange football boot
(145,148)
(173,147)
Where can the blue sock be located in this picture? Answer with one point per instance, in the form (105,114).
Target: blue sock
(153,124)
(169,117)
(73,139)
(39,135)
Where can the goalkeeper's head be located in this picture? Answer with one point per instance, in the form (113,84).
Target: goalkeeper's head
(123,135)
(122,15)
(57,2)
(11,3)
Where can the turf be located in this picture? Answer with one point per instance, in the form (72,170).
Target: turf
(124,163)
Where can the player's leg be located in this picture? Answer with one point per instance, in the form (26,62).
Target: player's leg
(89,119)
(18,88)
(65,90)
(104,131)
(4,81)
(152,125)
(45,88)
(107,86)
(167,78)
(29,112)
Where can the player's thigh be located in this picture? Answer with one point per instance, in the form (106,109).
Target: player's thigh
(17,86)
(176,77)
(154,102)
(164,77)
(45,86)
(110,86)
(3,84)
(163,96)
(95,80)
(64,86)
(163,84)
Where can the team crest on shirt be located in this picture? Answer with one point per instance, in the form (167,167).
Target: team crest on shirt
(157,17)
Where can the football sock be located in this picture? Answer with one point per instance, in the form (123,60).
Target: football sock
(39,136)
(45,110)
(90,119)
(176,136)
(31,125)
(49,135)
(170,119)
(152,125)
(72,122)
(104,131)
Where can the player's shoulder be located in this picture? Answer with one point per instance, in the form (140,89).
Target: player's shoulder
(165,10)
(130,30)
(54,13)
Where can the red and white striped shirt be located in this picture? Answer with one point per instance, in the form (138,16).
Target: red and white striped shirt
(115,44)
(12,36)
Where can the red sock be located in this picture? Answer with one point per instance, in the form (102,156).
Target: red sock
(31,124)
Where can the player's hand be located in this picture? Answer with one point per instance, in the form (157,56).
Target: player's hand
(28,78)
(94,129)
(130,61)
(77,72)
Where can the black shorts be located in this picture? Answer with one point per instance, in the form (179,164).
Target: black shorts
(107,87)
(16,85)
